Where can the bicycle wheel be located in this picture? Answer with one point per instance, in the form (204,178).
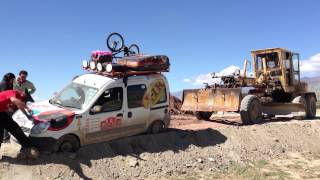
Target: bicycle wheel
(115,42)
(134,49)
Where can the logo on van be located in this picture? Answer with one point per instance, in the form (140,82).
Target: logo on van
(110,123)
(154,93)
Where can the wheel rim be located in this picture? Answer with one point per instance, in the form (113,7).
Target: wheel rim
(66,147)
(255,111)
(115,38)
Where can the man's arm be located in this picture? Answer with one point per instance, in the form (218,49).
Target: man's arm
(21,105)
(31,87)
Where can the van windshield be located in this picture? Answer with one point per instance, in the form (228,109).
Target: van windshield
(74,96)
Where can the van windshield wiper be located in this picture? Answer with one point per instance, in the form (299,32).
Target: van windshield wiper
(51,101)
(70,106)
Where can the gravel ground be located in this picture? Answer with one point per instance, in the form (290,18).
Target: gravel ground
(190,149)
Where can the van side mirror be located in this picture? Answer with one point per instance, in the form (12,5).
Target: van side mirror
(96,109)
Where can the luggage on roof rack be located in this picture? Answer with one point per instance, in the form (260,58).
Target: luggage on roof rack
(145,62)
(132,63)
(101,56)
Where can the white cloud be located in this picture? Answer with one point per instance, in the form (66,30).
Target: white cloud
(207,78)
(310,66)
(202,78)
(187,80)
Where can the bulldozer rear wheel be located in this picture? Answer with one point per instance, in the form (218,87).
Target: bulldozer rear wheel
(201,115)
(311,107)
(250,110)
(300,100)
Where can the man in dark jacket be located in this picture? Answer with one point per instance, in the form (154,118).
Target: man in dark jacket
(6,84)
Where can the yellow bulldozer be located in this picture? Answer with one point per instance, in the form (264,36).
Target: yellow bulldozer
(273,89)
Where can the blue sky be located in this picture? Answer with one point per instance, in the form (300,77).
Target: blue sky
(51,38)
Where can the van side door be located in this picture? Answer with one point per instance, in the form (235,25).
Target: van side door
(105,118)
(137,114)
(159,102)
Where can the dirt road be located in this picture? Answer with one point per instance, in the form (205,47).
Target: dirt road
(191,149)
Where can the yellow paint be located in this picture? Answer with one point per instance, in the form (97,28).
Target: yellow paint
(153,93)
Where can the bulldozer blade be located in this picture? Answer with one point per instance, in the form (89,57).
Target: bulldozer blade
(189,100)
(219,99)
(294,109)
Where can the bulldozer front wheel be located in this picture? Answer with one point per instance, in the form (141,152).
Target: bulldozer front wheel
(311,107)
(300,100)
(250,110)
(201,115)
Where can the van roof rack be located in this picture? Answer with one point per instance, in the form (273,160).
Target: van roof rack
(129,73)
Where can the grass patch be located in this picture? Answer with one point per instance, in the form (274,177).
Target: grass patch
(259,170)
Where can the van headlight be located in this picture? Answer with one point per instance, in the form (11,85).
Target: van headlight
(99,67)
(92,65)
(40,127)
(85,64)
(109,68)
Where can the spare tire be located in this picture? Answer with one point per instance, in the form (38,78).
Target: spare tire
(250,110)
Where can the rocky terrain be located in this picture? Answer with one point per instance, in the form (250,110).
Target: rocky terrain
(190,149)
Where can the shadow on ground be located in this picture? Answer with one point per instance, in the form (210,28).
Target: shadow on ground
(175,140)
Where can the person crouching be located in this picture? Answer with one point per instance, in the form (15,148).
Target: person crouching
(9,101)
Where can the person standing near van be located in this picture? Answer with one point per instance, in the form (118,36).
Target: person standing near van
(9,101)
(22,84)
(6,84)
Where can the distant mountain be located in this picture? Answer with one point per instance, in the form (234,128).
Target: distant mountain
(311,80)
(177,94)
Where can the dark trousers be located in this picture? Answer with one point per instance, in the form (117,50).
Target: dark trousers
(7,123)
(5,133)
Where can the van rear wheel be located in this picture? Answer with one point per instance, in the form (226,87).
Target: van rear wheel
(69,143)
(157,127)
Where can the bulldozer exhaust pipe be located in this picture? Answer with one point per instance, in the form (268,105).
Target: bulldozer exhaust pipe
(245,68)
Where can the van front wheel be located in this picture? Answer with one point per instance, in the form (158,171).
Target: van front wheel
(69,143)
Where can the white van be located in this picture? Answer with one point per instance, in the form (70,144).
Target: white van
(96,108)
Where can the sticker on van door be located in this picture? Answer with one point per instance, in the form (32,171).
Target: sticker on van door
(153,93)
(110,123)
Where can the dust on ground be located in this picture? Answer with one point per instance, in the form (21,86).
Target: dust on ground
(190,149)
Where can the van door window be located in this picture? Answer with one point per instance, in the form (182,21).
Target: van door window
(110,100)
(163,96)
(135,95)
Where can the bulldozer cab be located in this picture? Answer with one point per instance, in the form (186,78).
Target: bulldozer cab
(280,64)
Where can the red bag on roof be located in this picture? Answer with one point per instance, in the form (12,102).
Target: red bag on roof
(146,62)
(101,56)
